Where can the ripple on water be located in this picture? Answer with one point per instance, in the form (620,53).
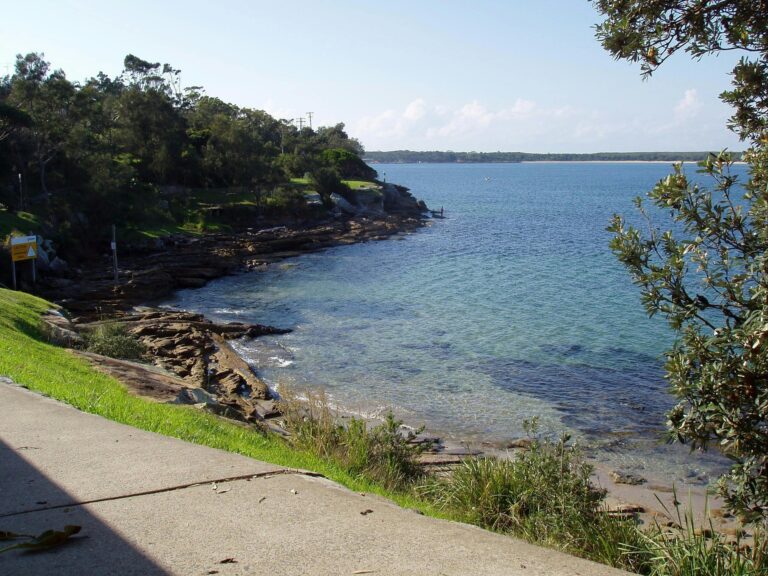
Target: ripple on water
(511,308)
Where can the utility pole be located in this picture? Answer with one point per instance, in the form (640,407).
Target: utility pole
(21,194)
(283,126)
(309,114)
(301,123)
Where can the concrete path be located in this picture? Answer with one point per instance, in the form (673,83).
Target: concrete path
(151,505)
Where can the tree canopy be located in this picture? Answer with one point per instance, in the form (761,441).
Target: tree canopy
(708,272)
(105,149)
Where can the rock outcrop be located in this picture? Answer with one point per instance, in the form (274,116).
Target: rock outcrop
(178,262)
(196,353)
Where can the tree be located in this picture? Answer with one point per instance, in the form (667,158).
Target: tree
(348,164)
(45,97)
(708,274)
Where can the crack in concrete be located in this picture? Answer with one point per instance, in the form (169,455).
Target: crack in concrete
(254,476)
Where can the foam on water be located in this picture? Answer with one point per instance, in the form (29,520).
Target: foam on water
(512,307)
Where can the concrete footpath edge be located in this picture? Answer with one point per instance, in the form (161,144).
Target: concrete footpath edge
(154,505)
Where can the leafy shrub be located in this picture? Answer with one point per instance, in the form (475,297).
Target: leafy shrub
(381,453)
(543,495)
(684,550)
(113,340)
(542,490)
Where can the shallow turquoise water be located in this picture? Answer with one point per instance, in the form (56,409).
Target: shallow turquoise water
(511,307)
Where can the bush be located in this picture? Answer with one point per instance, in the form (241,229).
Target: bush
(381,453)
(685,550)
(543,495)
(113,340)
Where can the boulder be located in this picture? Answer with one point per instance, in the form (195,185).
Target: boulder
(195,396)
(60,330)
(59,266)
(620,477)
(520,444)
(342,204)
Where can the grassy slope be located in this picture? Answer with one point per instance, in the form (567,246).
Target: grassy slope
(26,358)
(31,362)
(23,222)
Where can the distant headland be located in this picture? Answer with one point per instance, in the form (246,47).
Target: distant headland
(414,157)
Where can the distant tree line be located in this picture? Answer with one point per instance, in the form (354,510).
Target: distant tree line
(412,157)
(104,150)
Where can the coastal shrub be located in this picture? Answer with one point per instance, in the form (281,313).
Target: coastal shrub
(700,256)
(543,495)
(685,550)
(112,339)
(382,453)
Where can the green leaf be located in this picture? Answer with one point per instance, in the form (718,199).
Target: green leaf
(45,541)
(12,535)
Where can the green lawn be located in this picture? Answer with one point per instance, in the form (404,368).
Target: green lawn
(354,184)
(30,361)
(357,184)
(23,222)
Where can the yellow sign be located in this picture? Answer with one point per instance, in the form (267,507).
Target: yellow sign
(23,248)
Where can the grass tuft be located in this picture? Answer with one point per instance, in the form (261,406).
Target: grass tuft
(380,453)
(113,339)
(544,495)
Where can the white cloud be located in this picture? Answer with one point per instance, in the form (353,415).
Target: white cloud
(528,125)
(270,107)
(390,123)
(415,110)
(688,107)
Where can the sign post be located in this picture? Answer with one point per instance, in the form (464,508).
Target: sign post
(23,248)
(113,245)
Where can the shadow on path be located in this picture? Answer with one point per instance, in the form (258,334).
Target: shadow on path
(31,503)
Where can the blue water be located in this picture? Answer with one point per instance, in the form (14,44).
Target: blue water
(511,307)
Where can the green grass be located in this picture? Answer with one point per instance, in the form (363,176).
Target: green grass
(23,222)
(357,184)
(379,452)
(157,231)
(353,184)
(113,339)
(31,362)
(544,496)
(222,196)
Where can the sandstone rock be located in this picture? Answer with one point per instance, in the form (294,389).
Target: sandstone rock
(186,351)
(58,266)
(195,396)
(342,204)
(520,444)
(266,409)
(628,509)
(59,330)
(620,477)
(227,357)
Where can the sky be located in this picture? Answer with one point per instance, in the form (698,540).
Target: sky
(486,75)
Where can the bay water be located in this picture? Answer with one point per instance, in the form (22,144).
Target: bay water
(512,307)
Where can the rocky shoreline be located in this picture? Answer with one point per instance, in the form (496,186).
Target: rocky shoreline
(194,364)
(149,273)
